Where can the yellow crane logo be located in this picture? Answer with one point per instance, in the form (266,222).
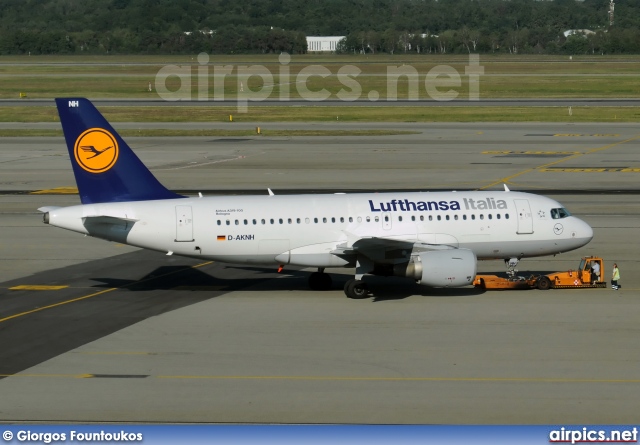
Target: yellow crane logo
(96,150)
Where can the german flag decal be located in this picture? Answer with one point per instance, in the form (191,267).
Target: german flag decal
(221,237)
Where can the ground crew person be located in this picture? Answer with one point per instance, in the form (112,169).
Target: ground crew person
(615,276)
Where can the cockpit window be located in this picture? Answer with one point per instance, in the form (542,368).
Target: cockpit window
(560,213)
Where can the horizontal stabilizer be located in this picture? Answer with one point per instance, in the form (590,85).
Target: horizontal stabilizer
(46,209)
(108,220)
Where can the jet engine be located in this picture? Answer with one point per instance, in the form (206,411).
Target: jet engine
(440,268)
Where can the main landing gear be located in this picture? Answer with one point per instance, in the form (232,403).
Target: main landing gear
(320,280)
(356,289)
(353,288)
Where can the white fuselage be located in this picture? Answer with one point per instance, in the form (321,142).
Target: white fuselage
(305,229)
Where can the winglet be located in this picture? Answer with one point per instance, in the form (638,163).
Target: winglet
(105,167)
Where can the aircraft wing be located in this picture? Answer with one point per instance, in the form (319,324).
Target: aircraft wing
(387,250)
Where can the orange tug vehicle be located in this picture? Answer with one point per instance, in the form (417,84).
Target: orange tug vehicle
(583,277)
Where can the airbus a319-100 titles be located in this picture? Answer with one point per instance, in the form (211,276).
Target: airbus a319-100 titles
(434,238)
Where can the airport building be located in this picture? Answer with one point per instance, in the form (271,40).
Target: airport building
(323,44)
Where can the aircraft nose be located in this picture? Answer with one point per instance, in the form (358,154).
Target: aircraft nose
(583,231)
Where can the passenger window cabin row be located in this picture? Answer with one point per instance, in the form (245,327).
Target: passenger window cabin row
(360,219)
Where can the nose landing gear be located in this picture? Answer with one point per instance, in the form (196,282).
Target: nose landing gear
(511,264)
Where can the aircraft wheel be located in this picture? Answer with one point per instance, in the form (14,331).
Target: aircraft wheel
(544,283)
(320,281)
(347,284)
(356,289)
(326,282)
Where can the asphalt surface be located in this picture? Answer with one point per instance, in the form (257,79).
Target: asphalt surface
(527,157)
(125,298)
(138,336)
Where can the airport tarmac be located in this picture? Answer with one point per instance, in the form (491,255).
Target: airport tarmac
(137,336)
(528,157)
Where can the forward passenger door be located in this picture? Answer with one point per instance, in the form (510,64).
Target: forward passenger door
(525,219)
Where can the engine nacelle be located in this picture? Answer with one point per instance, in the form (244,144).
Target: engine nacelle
(440,268)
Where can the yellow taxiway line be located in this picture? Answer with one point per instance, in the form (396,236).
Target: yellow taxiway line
(95,294)
(541,167)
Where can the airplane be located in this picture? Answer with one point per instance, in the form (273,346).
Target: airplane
(434,238)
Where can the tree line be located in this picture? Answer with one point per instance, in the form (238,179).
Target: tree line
(466,40)
(264,26)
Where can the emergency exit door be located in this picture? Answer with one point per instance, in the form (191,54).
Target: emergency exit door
(184,224)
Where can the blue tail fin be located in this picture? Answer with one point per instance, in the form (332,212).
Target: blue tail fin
(106,169)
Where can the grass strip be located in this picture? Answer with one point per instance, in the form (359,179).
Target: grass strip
(622,83)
